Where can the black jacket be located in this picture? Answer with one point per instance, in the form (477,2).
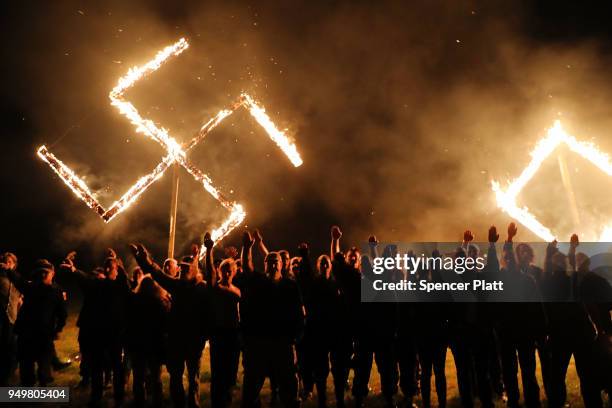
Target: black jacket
(43,314)
(270,308)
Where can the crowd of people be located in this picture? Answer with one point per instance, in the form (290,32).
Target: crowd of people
(295,321)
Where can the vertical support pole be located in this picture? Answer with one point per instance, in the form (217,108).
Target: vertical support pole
(173,209)
(569,190)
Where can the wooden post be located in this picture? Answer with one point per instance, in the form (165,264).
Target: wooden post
(173,209)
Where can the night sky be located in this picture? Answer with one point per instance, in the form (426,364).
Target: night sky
(403,112)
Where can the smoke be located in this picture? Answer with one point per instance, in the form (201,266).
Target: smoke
(403,114)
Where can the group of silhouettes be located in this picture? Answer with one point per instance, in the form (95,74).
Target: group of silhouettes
(294,322)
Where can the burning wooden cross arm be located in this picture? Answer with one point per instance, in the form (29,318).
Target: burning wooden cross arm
(176,153)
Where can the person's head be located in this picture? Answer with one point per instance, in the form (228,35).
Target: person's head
(459,253)
(149,289)
(583,263)
(524,254)
(9,259)
(506,260)
(273,265)
(353,257)
(324,266)
(473,251)
(111,268)
(559,263)
(238,266)
(146,287)
(171,267)
(390,251)
(285,260)
(137,274)
(227,270)
(295,266)
(44,271)
(188,268)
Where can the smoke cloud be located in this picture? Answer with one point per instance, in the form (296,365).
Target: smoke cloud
(403,114)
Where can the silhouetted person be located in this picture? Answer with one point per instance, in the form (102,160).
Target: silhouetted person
(325,339)
(596,294)
(107,323)
(147,332)
(272,318)
(522,326)
(406,347)
(39,322)
(372,325)
(224,340)
(348,278)
(525,259)
(431,327)
(189,323)
(10,301)
(86,322)
(571,330)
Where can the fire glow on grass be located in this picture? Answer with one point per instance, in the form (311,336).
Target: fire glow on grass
(176,153)
(506,199)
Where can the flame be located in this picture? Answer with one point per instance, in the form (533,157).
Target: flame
(276,135)
(175,151)
(76,184)
(556,135)
(606,234)
(128,110)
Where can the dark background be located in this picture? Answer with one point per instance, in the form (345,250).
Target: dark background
(403,113)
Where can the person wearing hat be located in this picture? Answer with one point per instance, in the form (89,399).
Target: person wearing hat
(188,327)
(41,318)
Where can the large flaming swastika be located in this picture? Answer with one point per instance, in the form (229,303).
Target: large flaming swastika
(175,152)
(506,200)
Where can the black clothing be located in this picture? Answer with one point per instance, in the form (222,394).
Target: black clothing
(40,319)
(431,330)
(224,345)
(188,329)
(571,333)
(103,323)
(272,318)
(147,344)
(271,308)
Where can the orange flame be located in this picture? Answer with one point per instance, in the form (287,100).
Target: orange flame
(175,151)
(506,199)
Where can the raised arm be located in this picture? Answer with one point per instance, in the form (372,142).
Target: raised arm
(468,237)
(509,247)
(306,270)
(574,242)
(492,267)
(259,243)
(69,265)
(335,241)
(211,271)
(146,263)
(247,253)
(551,249)
(373,245)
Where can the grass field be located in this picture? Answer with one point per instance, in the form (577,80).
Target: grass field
(67,346)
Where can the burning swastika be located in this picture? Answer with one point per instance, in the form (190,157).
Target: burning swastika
(506,199)
(175,152)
